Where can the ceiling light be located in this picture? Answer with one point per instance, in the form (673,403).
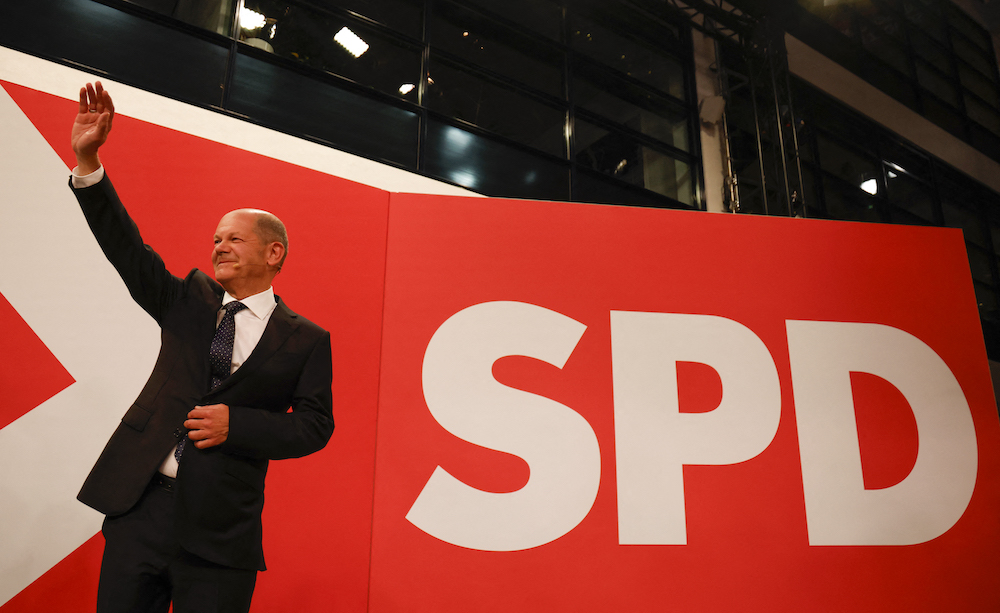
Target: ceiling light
(406,88)
(251,20)
(870,186)
(351,41)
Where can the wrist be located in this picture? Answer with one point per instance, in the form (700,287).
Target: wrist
(86,164)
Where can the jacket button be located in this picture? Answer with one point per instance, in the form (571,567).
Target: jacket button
(178,433)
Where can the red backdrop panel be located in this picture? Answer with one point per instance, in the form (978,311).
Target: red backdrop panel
(747,543)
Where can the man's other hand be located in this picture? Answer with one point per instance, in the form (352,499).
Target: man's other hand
(92,126)
(208,425)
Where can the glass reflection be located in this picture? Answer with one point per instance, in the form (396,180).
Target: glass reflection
(331,43)
(629,57)
(499,109)
(632,106)
(474,39)
(213,15)
(617,155)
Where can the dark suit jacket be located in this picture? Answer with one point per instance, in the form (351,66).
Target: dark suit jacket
(220,490)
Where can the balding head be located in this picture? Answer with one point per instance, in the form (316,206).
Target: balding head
(269,230)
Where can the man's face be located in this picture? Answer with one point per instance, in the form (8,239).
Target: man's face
(239,256)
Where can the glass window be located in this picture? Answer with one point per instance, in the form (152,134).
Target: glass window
(401,15)
(910,195)
(986,296)
(294,103)
(979,262)
(973,55)
(628,56)
(593,187)
(930,50)
(492,168)
(213,15)
(925,19)
(827,113)
(969,28)
(958,216)
(982,114)
(333,44)
(937,84)
(848,203)
(134,50)
(994,227)
(979,85)
(630,105)
(620,156)
(501,110)
(944,116)
(885,48)
(890,82)
(885,20)
(849,165)
(542,16)
(810,196)
(903,158)
(479,41)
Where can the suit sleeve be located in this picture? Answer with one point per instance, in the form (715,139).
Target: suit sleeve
(263,434)
(142,269)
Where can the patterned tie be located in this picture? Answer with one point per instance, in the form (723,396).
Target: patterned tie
(220,356)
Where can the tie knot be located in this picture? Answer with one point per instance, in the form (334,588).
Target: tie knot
(234,307)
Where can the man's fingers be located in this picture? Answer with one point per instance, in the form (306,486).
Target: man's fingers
(83,100)
(109,108)
(91,98)
(198,413)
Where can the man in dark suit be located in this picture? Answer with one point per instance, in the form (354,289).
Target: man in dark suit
(181,480)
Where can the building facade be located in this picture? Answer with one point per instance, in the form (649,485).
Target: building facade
(884,111)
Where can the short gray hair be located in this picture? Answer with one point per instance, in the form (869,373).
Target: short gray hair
(269,230)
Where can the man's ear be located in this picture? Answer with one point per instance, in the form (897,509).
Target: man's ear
(275,251)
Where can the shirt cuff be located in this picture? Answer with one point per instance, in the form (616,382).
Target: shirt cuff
(88,180)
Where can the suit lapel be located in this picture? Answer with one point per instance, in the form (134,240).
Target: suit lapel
(280,327)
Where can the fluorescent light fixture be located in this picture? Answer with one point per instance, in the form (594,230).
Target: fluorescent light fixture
(870,186)
(406,88)
(251,20)
(351,41)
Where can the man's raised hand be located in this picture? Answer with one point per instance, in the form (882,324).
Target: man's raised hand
(92,126)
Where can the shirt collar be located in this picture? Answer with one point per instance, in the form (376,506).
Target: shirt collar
(259,304)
